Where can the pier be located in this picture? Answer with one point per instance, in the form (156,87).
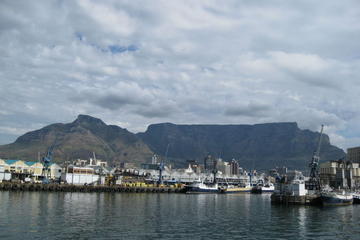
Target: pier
(9,186)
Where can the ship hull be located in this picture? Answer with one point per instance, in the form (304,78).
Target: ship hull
(258,189)
(336,200)
(201,190)
(356,199)
(267,190)
(235,190)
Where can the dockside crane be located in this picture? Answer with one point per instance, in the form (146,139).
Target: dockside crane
(314,180)
(162,165)
(215,171)
(46,161)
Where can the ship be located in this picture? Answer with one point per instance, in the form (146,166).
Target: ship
(201,187)
(262,187)
(295,189)
(356,198)
(336,198)
(235,189)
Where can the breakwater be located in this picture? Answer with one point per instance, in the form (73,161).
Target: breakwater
(8,186)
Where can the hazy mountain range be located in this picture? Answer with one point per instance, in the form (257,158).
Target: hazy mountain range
(257,146)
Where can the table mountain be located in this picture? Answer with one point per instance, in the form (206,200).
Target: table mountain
(259,146)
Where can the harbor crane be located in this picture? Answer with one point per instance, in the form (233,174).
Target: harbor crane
(314,180)
(47,160)
(161,166)
(215,171)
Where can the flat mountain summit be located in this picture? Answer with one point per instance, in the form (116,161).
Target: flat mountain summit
(259,146)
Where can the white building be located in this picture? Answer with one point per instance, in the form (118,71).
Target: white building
(82,176)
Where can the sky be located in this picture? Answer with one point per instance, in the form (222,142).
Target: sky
(134,63)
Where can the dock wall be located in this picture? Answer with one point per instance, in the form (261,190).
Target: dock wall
(81,188)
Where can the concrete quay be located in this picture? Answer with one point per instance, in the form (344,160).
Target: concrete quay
(8,186)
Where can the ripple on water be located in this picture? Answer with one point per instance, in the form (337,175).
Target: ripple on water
(34,215)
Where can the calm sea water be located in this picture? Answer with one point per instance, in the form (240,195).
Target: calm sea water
(33,215)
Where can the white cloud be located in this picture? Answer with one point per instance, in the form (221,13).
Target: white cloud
(110,19)
(190,62)
(299,62)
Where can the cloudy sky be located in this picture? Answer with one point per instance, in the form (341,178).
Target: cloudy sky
(133,63)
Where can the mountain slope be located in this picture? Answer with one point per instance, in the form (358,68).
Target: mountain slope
(80,139)
(257,146)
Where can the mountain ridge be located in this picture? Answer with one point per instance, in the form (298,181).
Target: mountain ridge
(264,145)
(259,145)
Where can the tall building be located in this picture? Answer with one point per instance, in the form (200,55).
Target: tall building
(194,166)
(340,174)
(234,167)
(154,159)
(208,163)
(353,154)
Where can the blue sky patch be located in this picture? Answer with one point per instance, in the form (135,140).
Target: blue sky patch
(119,49)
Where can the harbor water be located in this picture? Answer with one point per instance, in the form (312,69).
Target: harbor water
(43,215)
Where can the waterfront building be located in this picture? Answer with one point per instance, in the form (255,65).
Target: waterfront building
(353,155)
(4,175)
(127,165)
(55,171)
(21,169)
(150,166)
(196,167)
(154,159)
(81,176)
(340,174)
(282,170)
(209,163)
(223,167)
(234,167)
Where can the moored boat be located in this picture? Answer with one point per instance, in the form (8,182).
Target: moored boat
(235,189)
(356,198)
(336,198)
(201,187)
(268,188)
(263,188)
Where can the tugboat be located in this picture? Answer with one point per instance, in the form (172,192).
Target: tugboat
(336,198)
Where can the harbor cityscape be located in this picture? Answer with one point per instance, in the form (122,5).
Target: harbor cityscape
(182,119)
(89,199)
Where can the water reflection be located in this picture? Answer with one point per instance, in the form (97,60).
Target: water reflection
(168,216)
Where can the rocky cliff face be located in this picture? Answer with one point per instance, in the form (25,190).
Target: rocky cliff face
(257,146)
(80,139)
